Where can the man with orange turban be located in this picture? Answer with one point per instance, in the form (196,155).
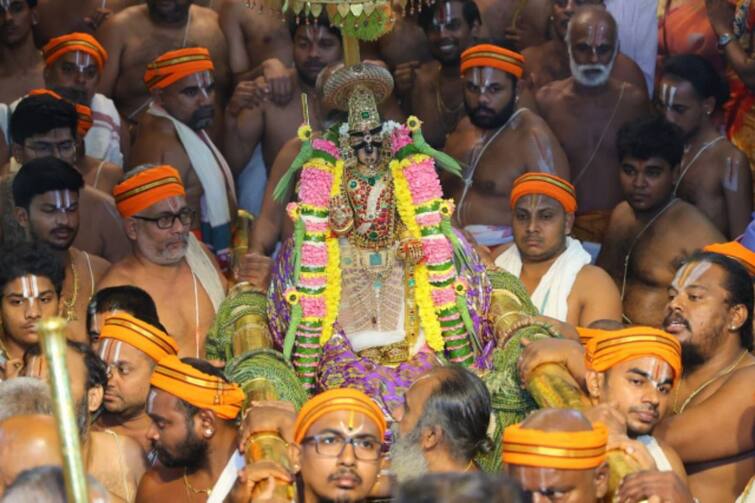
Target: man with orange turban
(166,260)
(737,251)
(130,348)
(553,267)
(182,85)
(496,143)
(193,411)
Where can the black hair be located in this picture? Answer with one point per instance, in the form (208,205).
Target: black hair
(737,284)
(460,405)
(22,259)
(128,298)
(699,72)
(469,10)
(96,369)
(42,175)
(39,114)
(322,20)
(202,366)
(472,487)
(650,137)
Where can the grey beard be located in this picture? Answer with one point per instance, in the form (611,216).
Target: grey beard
(407,459)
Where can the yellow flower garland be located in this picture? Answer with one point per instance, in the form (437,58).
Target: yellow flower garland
(333,269)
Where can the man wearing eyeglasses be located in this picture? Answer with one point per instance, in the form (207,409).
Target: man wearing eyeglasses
(167,261)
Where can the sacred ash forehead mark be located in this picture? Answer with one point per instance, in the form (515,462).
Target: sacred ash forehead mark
(658,372)
(484,77)
(444,14)
(668,95)
(82,61)
(63,199)
(151,400)
(30,288)
(689,274)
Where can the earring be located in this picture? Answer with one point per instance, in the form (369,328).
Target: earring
(208,432)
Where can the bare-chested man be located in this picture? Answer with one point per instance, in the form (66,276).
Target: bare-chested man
(27,441)
(651,232)
(522,23)
(715,176)
(136,36)
(553,267)
(551,60)
(496,143)
(433,91)
(58,17)
(20,62)
(585,111)
(166,258)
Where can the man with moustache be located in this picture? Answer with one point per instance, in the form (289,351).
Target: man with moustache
(20,62)
(715,176)
(651,231)
(495,143)
(173,131)
(604,104)
(433,90)
(165,256)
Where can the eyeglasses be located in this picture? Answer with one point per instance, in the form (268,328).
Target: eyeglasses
(167,220)
(366,448)
(46,149)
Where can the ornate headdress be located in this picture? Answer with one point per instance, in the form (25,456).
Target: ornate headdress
(359,89)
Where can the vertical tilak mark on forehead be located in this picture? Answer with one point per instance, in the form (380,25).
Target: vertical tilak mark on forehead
(445,12)
(151,400)
(689,274)
(63,199)
(30,288)
(534,202)
(105,350)
(82,60)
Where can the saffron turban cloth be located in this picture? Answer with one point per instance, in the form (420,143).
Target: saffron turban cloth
(585,334)
(146,188)
(176,65)
(562,450)
(737,251)
(84,113)
(334,400)
(492,56)
(615,346)
(547,185)
(201,390)
(148,339)
(81,42)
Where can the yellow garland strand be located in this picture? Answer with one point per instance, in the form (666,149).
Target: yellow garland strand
(333,269)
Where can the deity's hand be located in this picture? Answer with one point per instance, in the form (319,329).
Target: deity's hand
(255,268)
(655,487)
(720,15)
(279,79)
(248,94)
(263,474)
(268,416)
(560,351)
(608,414)
(405,75)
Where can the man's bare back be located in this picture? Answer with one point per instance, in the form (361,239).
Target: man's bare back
(58,17)
(100,227)
(530,18)
(79,287)
(655,256)
(117,462)
(586,124)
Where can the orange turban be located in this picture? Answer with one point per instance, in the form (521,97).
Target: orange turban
(175,65)
(493,56)
(737,251)
(337,400)
(146,188)
(562,450)
(83,42)
(148,339)
(85,120)
(547,185)
(585,334)
(615,346)
(197,388)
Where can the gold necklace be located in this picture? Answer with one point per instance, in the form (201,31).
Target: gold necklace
(189,487)
(707,383)
(68,309)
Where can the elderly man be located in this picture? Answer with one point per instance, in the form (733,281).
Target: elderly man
(496,143)
(651,230)
(22,396)
(193,409)
(73,66)
(165,257)
(20,62)
(183,86)
(604,104)
(46,195)
(553,267)
(714,175)
(26,442)
(130,348)
(131,299)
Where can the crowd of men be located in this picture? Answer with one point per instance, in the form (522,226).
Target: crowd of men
(607,164)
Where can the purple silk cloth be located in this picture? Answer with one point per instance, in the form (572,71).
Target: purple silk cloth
(340,366)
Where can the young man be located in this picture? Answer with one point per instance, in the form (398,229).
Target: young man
(20,62)
(553,267)
(714,175)
(651,231)
(128,298)
(46,195)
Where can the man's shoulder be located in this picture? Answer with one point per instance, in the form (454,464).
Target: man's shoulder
(632,95)
(128,15)
(551,92)
(157,483)
(428,72)
(91,196)
(204,14)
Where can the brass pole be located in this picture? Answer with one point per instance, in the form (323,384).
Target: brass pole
(350,50)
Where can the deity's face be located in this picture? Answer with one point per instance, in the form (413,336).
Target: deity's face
(489,96)
(52,218)
(680,105)
(74,76)
(592,42)
(315,47)
(540,226)
(367,146)
(449,33)
(16,21)
(173,432)
(565,486)
(163,246)
(639,389)
(128,373)
(562,12)
(58,142)
(647,183)
(340,457)
(25,301)
(169,11)
(191,100)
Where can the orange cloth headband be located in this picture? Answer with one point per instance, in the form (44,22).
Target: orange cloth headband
(547,185)
(494,57)
(585,334)
(197,388)
(573,450)
(148,339)
(146,188)
(85,120)
(615,346)
(337,400)
(737,251)
(83,42)
(175,65)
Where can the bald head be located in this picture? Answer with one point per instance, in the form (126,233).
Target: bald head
(27,442)
(592,18)
(592,41)
(557,420)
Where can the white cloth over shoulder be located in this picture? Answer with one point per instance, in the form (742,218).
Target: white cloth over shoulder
(552,292)
(103,140)
(202,267)
(651,444)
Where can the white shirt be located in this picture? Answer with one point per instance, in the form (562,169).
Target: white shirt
(638,33)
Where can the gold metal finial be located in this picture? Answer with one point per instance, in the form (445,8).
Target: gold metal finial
(305,108)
